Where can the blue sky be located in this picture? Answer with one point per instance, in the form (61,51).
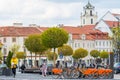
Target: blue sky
(51,12)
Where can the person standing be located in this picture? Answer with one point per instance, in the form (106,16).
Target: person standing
(22,68)
(14,66)
(44,69)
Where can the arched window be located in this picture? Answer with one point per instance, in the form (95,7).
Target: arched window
(90,12)
(91,21)
(83,21)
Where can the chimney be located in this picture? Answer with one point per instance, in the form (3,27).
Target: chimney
(60,25)
(17,24)
(32,25)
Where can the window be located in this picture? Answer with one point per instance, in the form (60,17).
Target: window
(93,45)
(85,12)
(4,40)
(91,21)
(75,45)
(83,37)
(107,43)
(78,44)
(13,39)
(83,45)
(96,43)
(90,12)
(103,43)
(110,43)
(83,21)
(88,45)
(99,43)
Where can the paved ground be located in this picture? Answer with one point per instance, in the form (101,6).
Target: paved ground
(33,76)
(25,76)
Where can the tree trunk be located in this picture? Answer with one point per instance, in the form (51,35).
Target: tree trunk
(31,60)
(39,58)
(54,58)
(35,59)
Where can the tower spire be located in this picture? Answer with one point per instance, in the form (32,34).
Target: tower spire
(89,16)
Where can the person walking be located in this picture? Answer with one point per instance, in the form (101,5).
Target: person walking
(44,69)
(22,68)
(14,66)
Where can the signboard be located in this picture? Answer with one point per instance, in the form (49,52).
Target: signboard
(61,55)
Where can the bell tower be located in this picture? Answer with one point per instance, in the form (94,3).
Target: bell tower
(89,16)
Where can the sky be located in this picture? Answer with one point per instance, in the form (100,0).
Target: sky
(47,13)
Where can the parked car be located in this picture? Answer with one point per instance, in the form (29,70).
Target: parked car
(117,68)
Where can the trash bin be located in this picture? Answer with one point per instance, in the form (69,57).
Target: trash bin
(8,72)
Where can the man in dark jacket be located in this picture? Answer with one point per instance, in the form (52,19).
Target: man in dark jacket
(22,68)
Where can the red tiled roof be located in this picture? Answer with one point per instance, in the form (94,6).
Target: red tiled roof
(43,28)
(112,24)
(18,31)
(89,31)
(71,29)
(115,14)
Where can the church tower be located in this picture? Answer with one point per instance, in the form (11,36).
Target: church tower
(89,16)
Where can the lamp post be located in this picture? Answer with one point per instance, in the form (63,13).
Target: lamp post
(1,47)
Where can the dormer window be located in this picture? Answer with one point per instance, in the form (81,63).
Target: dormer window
(83,36)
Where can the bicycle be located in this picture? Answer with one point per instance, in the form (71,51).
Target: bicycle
(57,73)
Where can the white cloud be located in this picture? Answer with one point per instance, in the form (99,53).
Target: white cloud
(43,12)
(116,10)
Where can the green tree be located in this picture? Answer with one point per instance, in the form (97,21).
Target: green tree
(9,57)
(34,44)
(66,50)
(116,40)
(104,54)
(14,48)
(21,55)
(54,37)
(80,53)
(94,53)
(50,56)
(1,55)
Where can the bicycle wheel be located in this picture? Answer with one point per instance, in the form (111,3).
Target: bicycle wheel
(101,76)
(67,73)
(54,76)
(75,74)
